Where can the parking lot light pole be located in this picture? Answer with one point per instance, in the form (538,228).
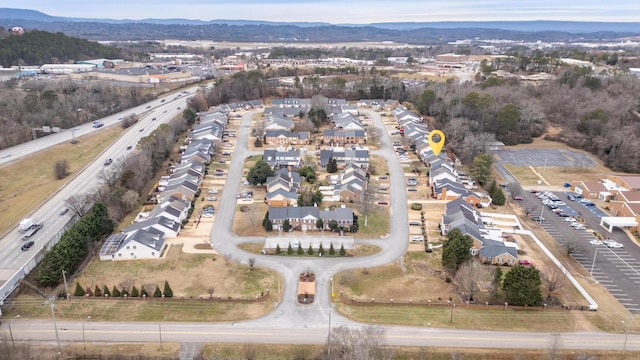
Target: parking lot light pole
(593,263)
(626,333)
(160,331)
(13,344)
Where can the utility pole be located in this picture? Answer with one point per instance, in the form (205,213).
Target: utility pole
(83,344)
(66,286)
(593,263)
(13,344)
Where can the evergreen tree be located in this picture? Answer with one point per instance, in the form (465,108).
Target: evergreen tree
(456,250)
(157,293)
(167,290)
(343,252)
(259,173)
(286,226)
(124,292)
(278,250)
(134,291)
(143,291)
(332,166)
(266,218)
(332,251)
(105,291)
(79,291)
(290,249)
(97,291)
(310,250)
(521,286)
(492,187)
(300,251)
(319,224)
(269,226)
(498,197)
(321,250)
(115,292)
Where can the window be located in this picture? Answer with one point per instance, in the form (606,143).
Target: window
(131,254)
(127,247)
(134,246)
(500,260)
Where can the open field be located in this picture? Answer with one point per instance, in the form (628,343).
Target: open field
(26,183)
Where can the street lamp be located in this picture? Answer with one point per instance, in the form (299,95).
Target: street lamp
(83,343)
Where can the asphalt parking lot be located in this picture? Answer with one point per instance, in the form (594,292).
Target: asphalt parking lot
(545,157)
(617,270)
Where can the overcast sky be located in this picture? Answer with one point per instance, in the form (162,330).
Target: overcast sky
(341,11)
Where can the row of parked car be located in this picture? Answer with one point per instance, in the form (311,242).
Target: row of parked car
(553,202)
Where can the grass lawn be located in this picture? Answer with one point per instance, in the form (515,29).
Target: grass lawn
(26,183)
(377,225)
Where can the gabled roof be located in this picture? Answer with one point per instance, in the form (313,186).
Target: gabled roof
(282,192)
(151,238)
(493,248)
(160,222)
(278,120)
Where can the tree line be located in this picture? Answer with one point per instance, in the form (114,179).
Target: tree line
(37,47)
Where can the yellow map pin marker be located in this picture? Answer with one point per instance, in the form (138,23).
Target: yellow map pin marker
(436,145)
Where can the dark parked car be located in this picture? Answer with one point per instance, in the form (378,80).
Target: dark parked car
(64,211)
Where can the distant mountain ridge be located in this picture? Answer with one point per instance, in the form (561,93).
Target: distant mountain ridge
(526,26)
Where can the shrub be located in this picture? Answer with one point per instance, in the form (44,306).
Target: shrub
(79,291)
(134,291)
(310,250)
(300,251)
(289,249)
(124,292)
(157,293)
(167,290)
(105,291)
(278,250)
(97,291)
(115,292)
(143,291)
(416,206)
(343,252)
(332,251)
(321,250)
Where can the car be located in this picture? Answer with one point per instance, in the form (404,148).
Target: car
(570,219)
(383,203)
(412,189)
(563,214)
(415,223)
(557,210)
(595,242)
(212,198)
(129,147)
(153,119)
(178,108)
(222,161)
(148,107)
(246,183)
(26,246)
(64,211)
(213,191)
(108,162)
(525,263)
(560,203)
(580,227)
(517,198)
(571,197)
(163,100)
(538,219)
(612,244)
(382,188)
(589,204)
(226,153)
(228,145)
(417,238)
(219,170)
(141,130)
(383,177)
(533,191)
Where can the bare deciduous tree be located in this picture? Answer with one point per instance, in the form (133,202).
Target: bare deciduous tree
(61,169)
(252,262)
(373,134)
(227,258)
(467,278)
(79,203)
(366,203)
(555,344)
(210,291)
(571,244)
(357,344)
(554,280)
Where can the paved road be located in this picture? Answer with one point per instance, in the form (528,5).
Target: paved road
(289,311)
(13,259)
(304,333)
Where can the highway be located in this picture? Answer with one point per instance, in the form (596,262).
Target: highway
(13,259)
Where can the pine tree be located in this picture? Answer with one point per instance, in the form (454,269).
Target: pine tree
(286,225)
(115,292)
(124,292)
(134,291)
(321,250)
(157,293)
(105,291)
(79,291)
(97,291)
(167,290)
(143,291)
(300,251)
(310,250)
(278,250)
(498,197)
(290,249)
(269,226)
(343,252)
(332,251)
